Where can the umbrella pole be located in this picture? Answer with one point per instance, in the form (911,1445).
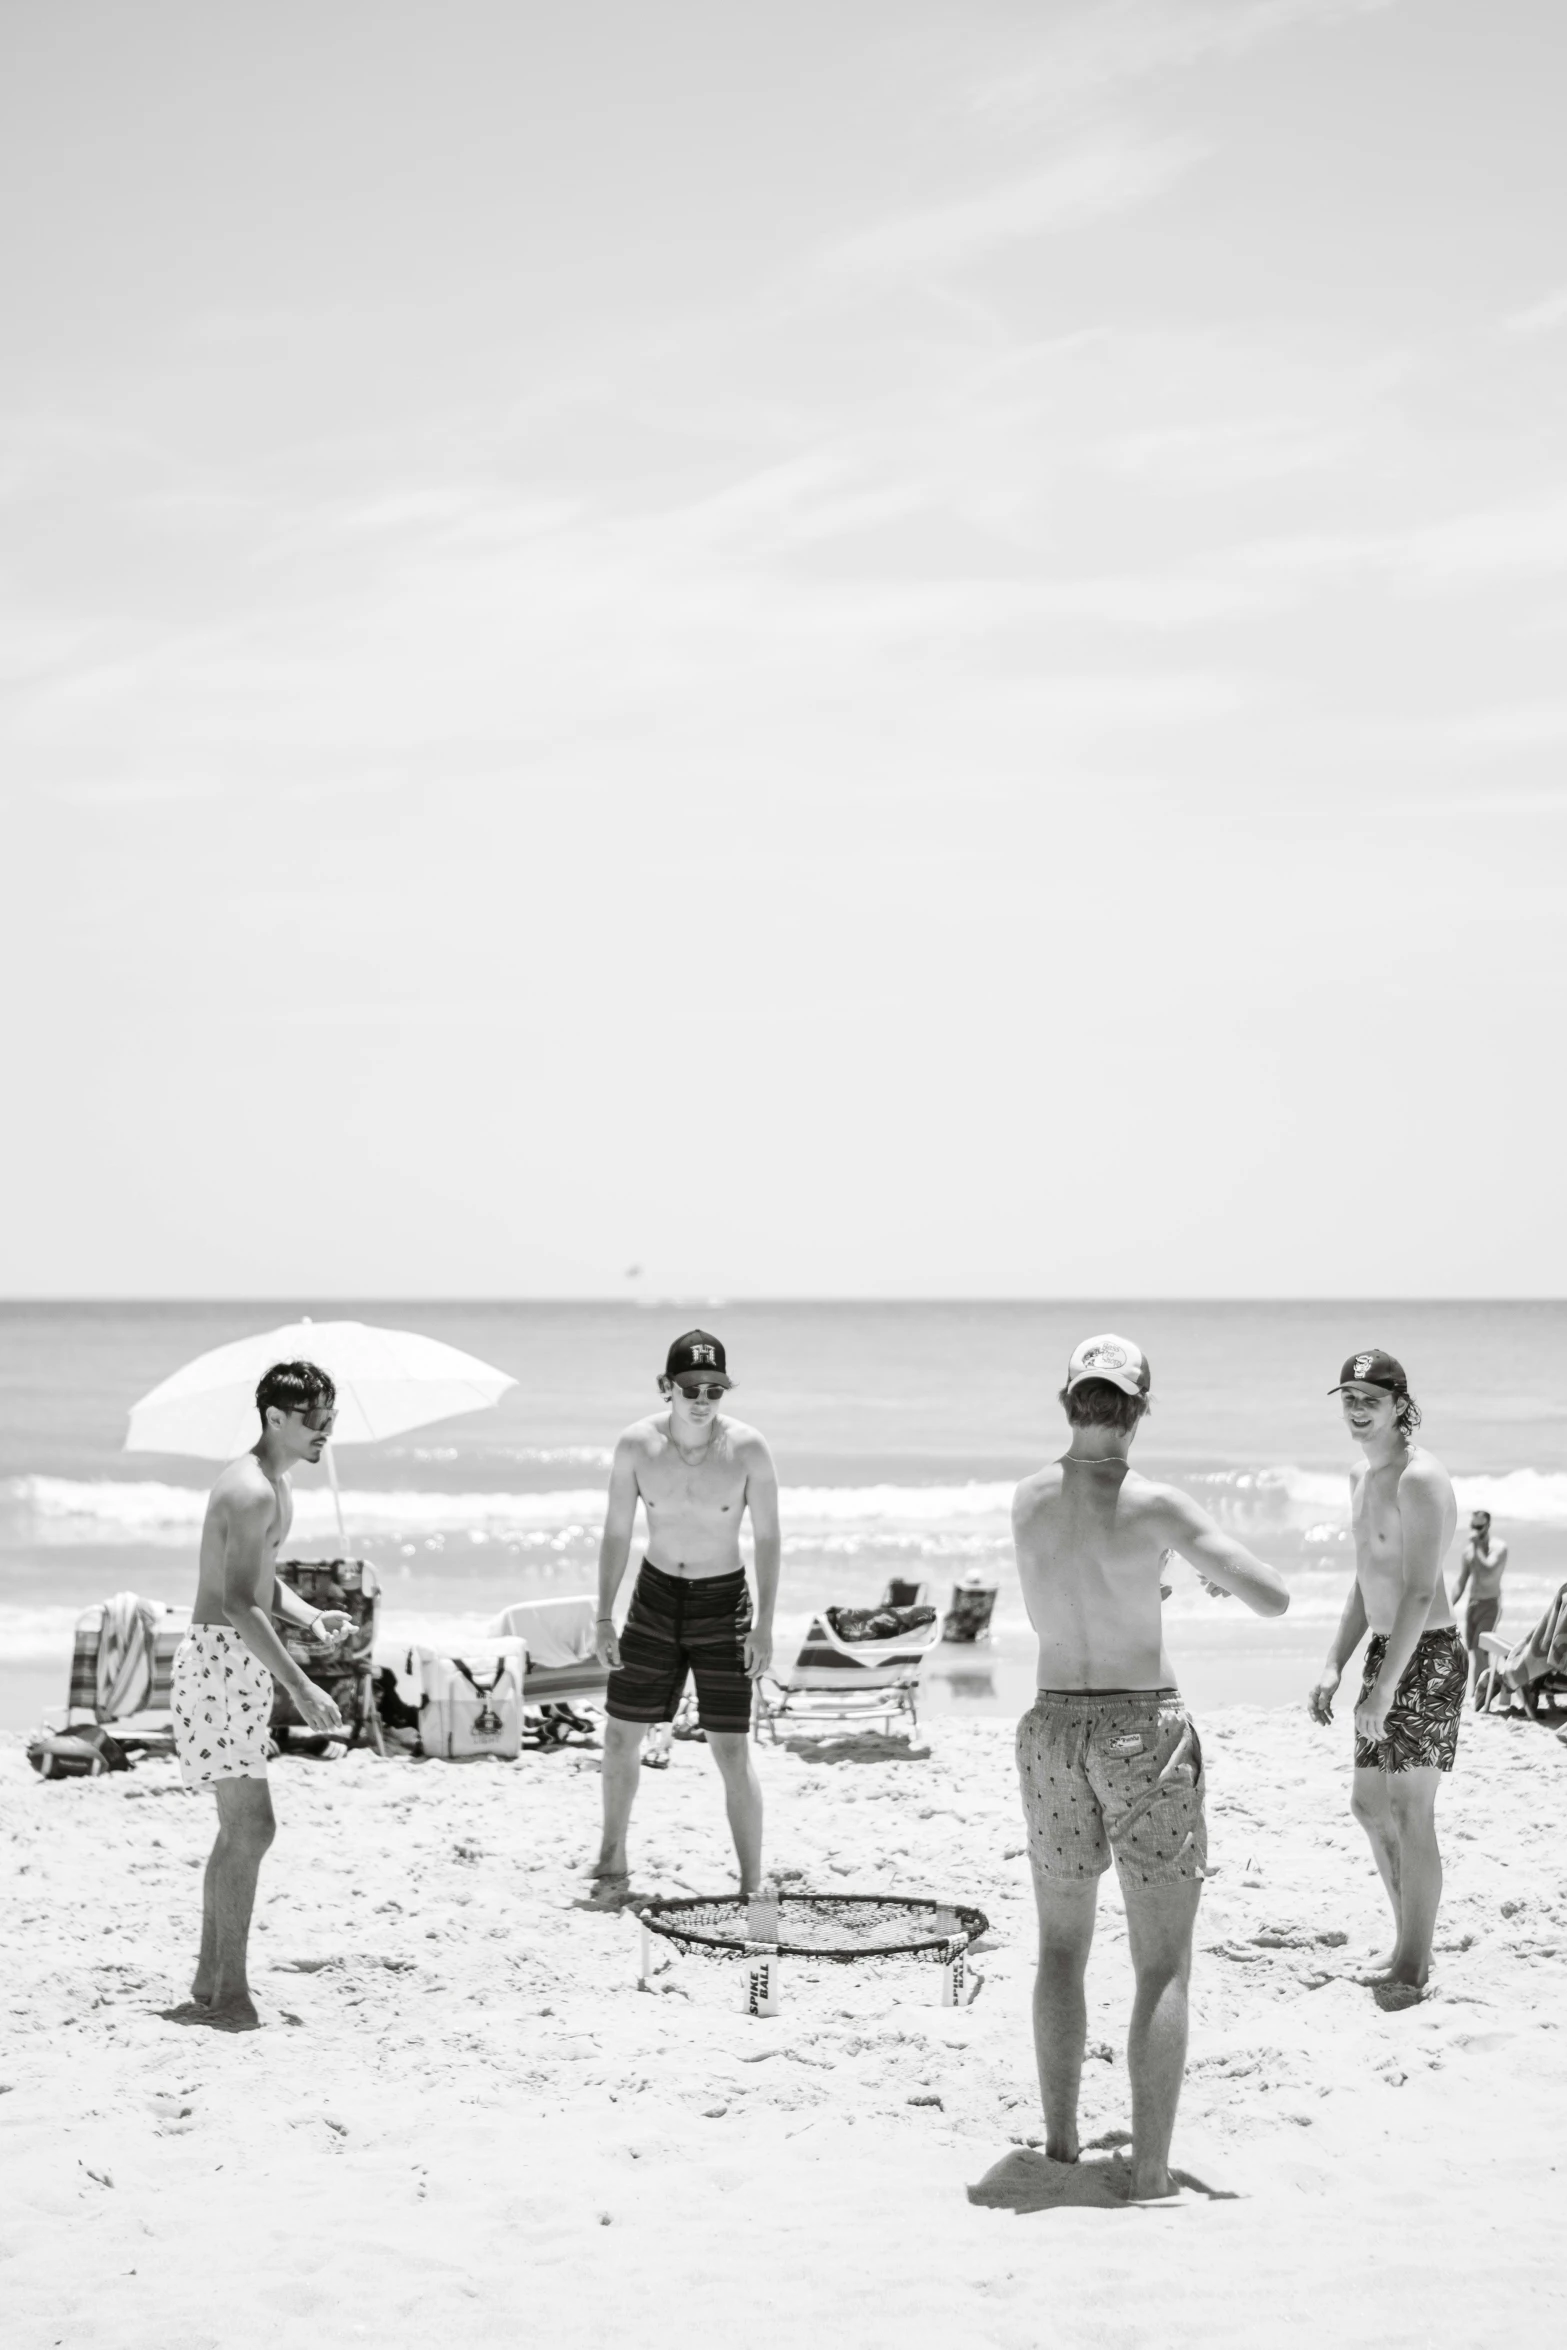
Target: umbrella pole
(337,1500)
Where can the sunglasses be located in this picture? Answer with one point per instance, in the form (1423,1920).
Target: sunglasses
(319,1423)
(698,1391)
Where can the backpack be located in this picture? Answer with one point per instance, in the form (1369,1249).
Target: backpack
(468,1710)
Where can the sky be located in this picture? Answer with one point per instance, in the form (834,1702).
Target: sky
(874,649)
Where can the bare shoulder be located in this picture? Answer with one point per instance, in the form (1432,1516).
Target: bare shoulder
(1036,1492)
(1144,1498)
(243,1490)
(642,1438)
(1423,1478)
(748,1444)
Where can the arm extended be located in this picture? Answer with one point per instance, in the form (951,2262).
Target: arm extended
(248,1522)
(614,1550)
(1220,1559)
(761,1494)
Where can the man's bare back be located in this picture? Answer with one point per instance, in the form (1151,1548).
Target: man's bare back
(1092,1537)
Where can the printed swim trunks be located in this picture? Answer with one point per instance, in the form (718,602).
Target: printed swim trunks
(1112,1772)
(222,1703)
(674,1627)
(1422,1723)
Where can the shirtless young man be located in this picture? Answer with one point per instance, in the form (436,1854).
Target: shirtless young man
(1416,1673)
(1108,1755)
(696,1472)
(225,1667)
(1481,1568)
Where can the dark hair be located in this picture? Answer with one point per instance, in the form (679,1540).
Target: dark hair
(293,1387)
(1406,1412)
(1099,1403)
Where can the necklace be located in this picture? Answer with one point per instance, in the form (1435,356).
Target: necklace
(692,1460)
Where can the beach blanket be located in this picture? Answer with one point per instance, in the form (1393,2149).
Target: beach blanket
(1543,1651)
(879,1623)
(125,1657)
(555,1632)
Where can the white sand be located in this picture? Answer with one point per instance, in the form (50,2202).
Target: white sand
(464,2124)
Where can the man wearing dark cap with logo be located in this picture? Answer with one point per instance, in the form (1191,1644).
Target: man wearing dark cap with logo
(1412,1693)
(1109,1758)
(696,1472)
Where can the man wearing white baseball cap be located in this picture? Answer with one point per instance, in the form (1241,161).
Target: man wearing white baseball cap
(1109,1758)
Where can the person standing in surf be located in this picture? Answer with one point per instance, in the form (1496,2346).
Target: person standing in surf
(1108,1756)
(696,1473)
(224,1669)
(1416,1671)
(1481,1568)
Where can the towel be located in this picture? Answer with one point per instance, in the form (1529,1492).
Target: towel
(1543,1651)
(125,1653)
(557,1631)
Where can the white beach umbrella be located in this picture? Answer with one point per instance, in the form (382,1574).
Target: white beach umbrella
(387,1381)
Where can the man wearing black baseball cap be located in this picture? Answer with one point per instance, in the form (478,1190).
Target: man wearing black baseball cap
(695,1472)
(1412,1692)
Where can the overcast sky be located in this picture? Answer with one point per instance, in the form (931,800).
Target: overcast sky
(819,649)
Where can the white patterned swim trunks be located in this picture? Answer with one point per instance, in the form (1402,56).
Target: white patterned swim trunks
(222,1704)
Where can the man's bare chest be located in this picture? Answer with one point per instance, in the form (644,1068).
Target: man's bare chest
(710,1489)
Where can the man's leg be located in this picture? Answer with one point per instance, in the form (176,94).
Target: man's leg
(1159,1923)
(621,1768)
(1411,1797)
(1066,1933)
(731,1750)
(1369,1802)
(246,1827)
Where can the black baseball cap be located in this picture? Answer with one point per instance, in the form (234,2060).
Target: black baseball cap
(698,1354)
(1373,1367)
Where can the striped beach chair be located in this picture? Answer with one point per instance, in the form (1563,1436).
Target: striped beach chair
(122,1667)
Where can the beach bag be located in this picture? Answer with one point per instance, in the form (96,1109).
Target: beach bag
(76,1754)
(471,1709)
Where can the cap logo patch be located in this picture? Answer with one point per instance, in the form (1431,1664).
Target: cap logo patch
(1113,1358)
(704,1354)
(1362,1365)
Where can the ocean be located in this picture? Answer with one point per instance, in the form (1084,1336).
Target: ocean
(899,1431)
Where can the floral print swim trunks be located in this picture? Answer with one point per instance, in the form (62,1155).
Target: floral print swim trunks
(1422,1721)
(222,1705)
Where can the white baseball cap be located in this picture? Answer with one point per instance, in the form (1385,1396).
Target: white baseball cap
(1112,1358)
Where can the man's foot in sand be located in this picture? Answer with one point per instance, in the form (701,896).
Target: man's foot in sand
(603,1888)
(1392,1992)
(233,2015)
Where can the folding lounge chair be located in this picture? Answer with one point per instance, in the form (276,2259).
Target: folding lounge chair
(839,1679)
(562,1661)
(346,1673)
(122,1668)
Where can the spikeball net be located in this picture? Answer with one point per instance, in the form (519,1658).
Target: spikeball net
(832,1928)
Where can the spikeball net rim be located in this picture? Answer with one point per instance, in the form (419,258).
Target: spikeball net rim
(690,1921)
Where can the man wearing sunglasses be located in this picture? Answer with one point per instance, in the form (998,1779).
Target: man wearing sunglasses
(225,1668)
(695,1472)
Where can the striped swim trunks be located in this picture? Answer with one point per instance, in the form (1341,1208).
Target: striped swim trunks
(677,1626)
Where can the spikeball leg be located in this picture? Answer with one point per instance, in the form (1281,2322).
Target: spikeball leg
(762,1987)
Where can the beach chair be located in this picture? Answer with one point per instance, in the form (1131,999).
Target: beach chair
(562,1663)
(855,1665)
(1532,1669)
(122,1666)
(345,1673)
(973,1604)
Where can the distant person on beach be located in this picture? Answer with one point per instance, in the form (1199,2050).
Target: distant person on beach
(1480,1570)
(225,1667)
(1416,1672)
(1109,1757)
(696,1473)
